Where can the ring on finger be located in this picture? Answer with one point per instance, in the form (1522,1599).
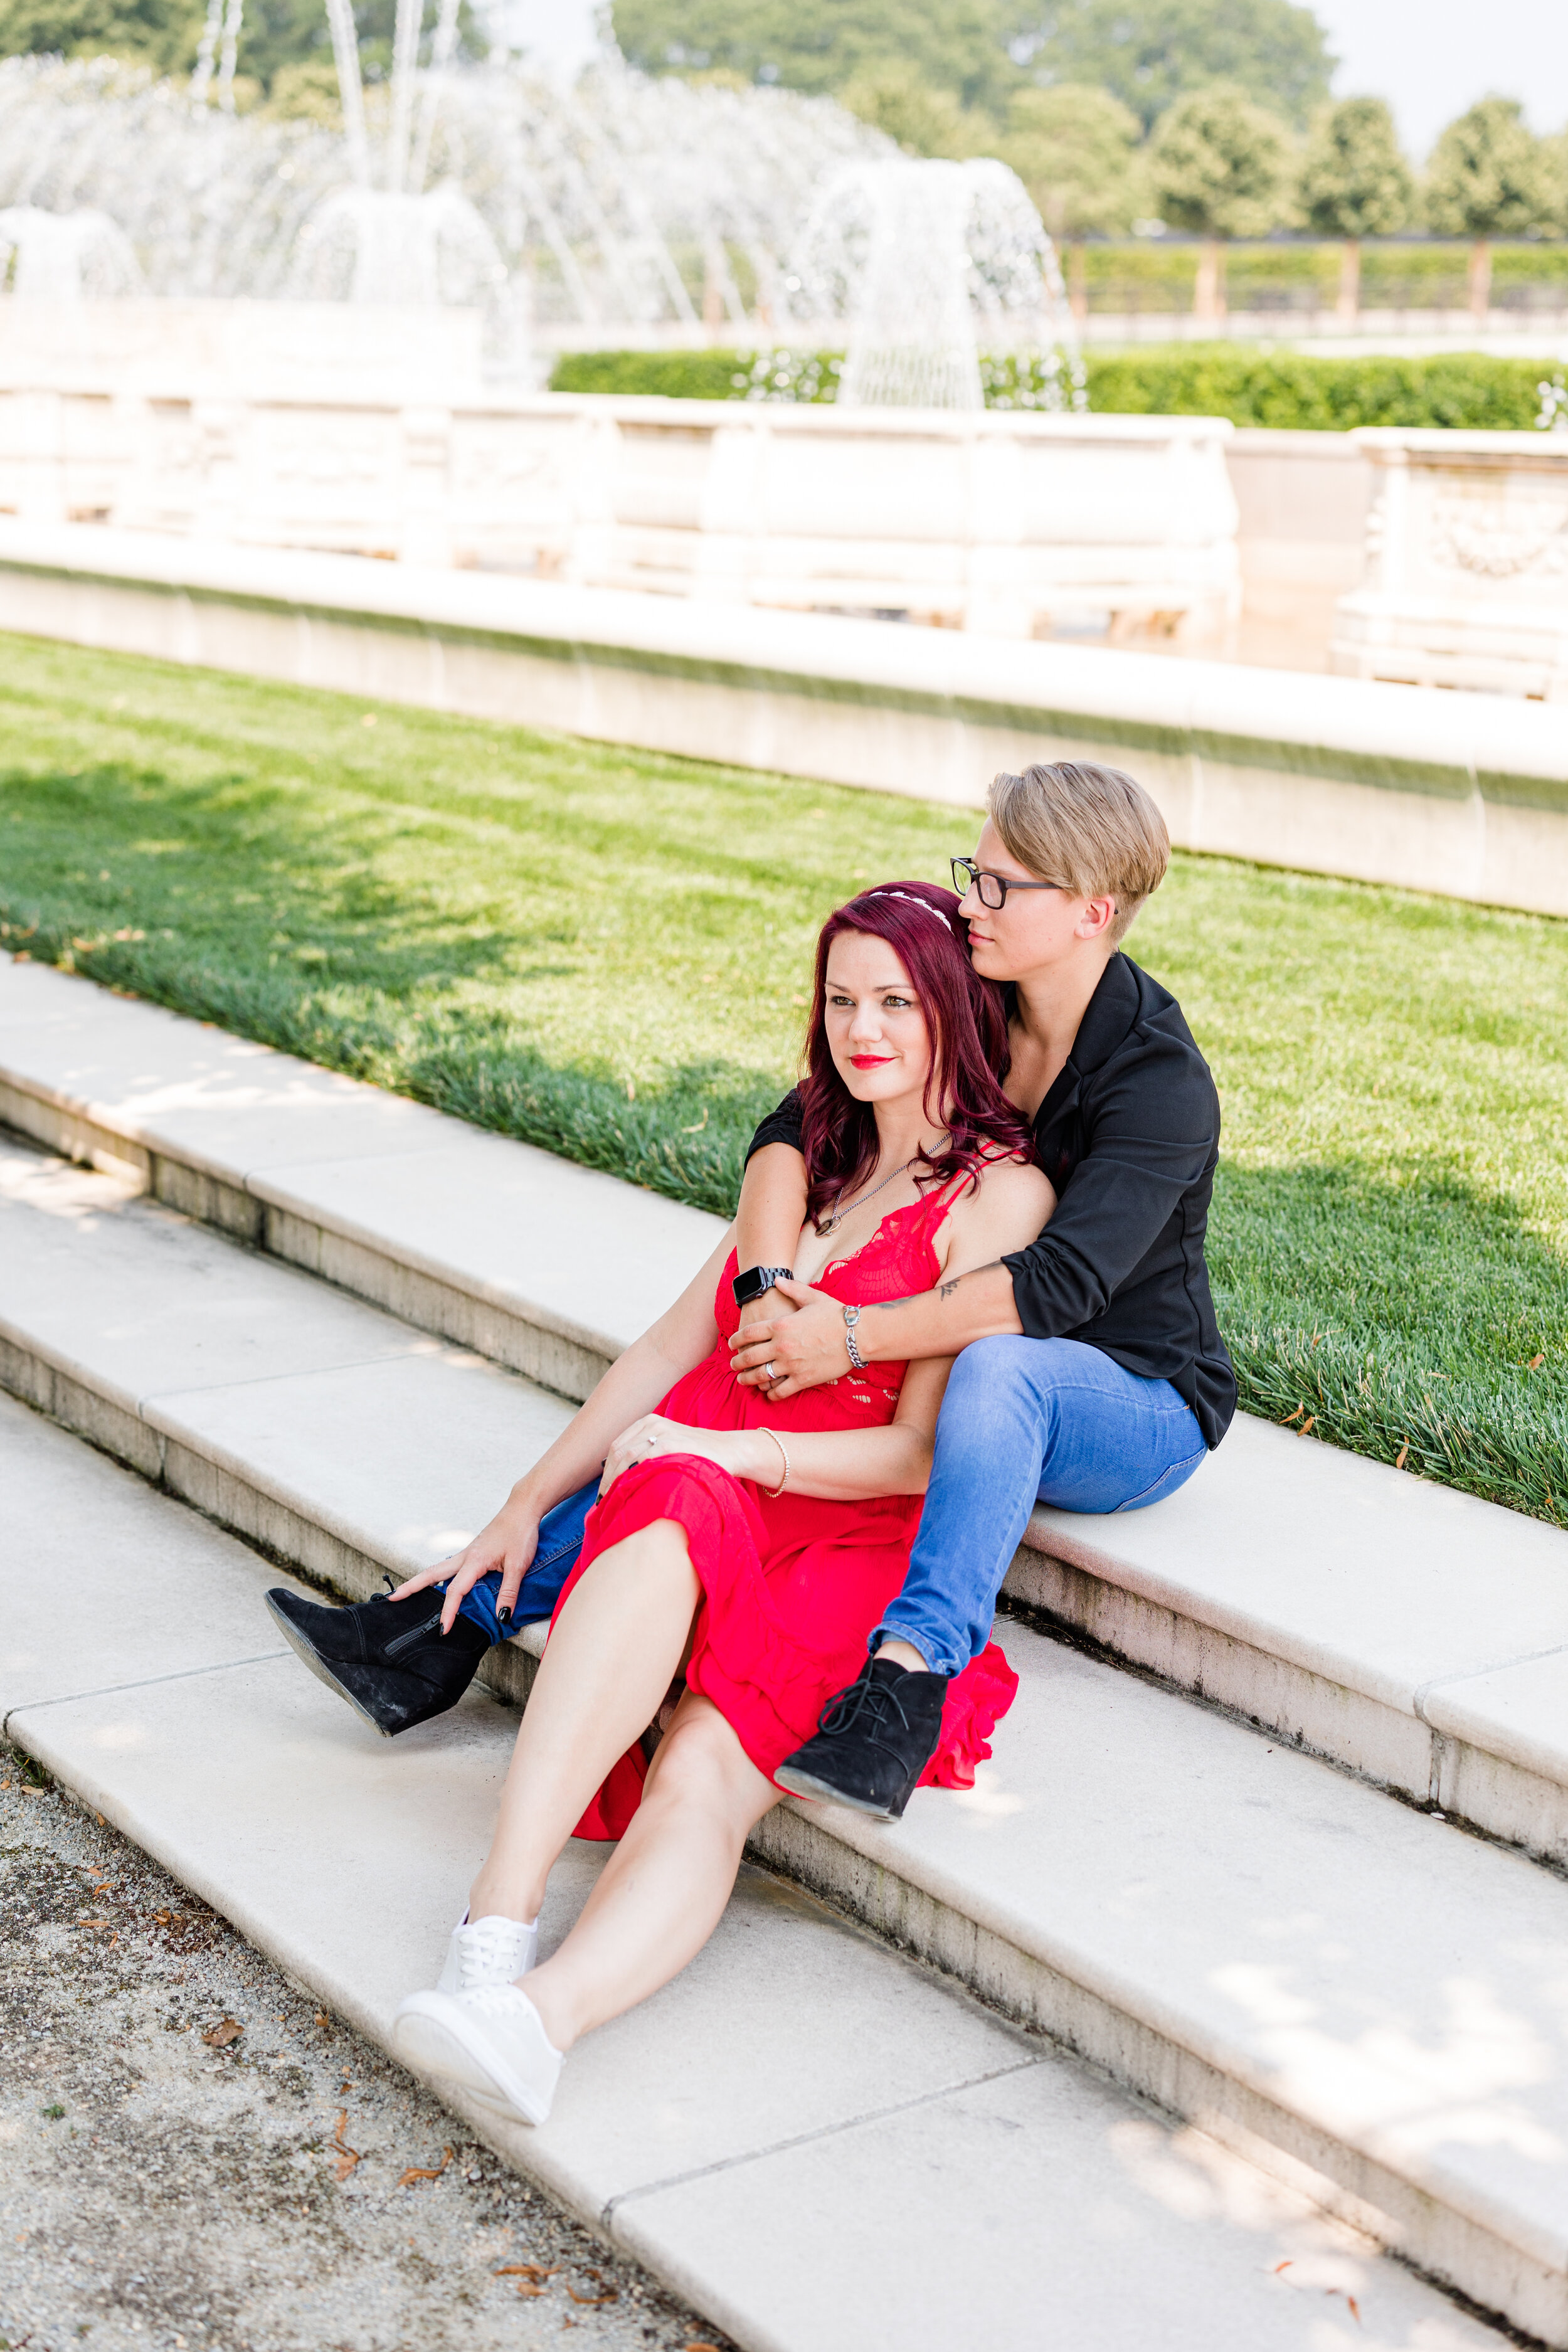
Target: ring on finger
(772,1372)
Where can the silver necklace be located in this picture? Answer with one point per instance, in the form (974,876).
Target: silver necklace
(839,1213)
(842,1211)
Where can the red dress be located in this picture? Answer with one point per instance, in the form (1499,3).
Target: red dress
(791,1585)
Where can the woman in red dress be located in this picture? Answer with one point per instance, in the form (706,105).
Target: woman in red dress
(743,1546)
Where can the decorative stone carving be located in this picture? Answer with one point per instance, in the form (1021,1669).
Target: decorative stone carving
(1467,580)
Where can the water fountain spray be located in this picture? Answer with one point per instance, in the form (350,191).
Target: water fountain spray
(942,276)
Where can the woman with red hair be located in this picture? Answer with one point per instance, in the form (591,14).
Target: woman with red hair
(743,1548)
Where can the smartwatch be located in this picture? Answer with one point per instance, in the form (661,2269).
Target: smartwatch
(756,1280)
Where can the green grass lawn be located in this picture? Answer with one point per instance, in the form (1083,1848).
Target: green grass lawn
(607,952)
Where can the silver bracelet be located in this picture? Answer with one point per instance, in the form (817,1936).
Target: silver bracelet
(852,1317)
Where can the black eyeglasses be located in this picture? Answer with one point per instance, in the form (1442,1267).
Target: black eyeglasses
(993,887)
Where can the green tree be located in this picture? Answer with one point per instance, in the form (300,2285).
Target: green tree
(924,121)
(1149,53)
(1075,148)
(1554,172)
(163,34)
(275,36)
(1354,183)
(1217,163)
(956,46)
(1488,178)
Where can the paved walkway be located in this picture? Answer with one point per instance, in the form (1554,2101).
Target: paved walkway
(169,2183)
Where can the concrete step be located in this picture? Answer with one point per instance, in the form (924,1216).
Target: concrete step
(948,2178)
(1347,1992)
(1414,1635)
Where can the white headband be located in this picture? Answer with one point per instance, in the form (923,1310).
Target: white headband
(910,900)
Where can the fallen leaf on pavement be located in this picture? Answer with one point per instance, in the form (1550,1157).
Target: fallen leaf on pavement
(347,2157)
(528,2275)
(425,2171)
(218,2037)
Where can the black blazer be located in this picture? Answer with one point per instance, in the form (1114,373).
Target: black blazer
(1130,1136)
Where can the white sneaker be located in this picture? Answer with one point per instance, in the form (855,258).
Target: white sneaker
(493,2041)
(487,1952)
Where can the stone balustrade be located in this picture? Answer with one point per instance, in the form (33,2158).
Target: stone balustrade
(1467,578)
(1012,523)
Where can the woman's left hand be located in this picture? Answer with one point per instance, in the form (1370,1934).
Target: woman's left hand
(735,1450)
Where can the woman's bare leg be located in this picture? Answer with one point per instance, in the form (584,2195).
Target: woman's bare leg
(612,1652)
(660,1894)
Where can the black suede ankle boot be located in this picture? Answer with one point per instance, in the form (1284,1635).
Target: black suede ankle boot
(872,1742)
(388,1658)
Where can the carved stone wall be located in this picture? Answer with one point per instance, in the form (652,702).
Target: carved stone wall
(1466,582)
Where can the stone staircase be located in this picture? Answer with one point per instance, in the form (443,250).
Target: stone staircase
(1356,2000)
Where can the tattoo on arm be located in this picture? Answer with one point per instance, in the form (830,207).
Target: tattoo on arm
(885,1305)
(946,1289)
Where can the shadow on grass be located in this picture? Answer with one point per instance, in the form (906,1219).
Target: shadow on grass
(1413,1318)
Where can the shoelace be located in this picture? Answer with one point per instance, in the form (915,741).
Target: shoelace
(880,1700)
(478,1949)
(497,2000)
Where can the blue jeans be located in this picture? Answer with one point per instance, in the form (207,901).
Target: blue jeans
(1023,1419)
(560,1541)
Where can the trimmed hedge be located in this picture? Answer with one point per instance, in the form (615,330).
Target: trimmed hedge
(1283,389)
(1299,391)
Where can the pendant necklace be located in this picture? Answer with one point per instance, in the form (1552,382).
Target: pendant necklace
(842,1211)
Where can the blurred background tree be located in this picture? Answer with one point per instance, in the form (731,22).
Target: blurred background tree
(162,34)
(1354,183)
(1488,178)
(1218,165)
(1149,53)
(1076,150)
(1553,158)
(959,46)
(285,47)
(897,97)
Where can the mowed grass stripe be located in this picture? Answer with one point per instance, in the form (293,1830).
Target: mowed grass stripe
(607,952)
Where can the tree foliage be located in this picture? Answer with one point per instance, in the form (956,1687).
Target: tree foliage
(162,32)
(924,121)
(1074,149)
(1217,163)
(954,46)
(1355,181)
(1149,53)
(285,46)
(1487,176)
(1553,155)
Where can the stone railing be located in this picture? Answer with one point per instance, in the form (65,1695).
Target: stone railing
(1015,524)
(1466,579)
(1461,793)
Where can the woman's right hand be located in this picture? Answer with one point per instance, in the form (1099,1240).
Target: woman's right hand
(508,1543)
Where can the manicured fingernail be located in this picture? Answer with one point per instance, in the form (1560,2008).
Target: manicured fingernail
(503,1616)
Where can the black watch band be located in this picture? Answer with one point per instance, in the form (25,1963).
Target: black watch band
(756,1280)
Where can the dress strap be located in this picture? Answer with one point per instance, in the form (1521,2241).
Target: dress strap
(936,1205)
